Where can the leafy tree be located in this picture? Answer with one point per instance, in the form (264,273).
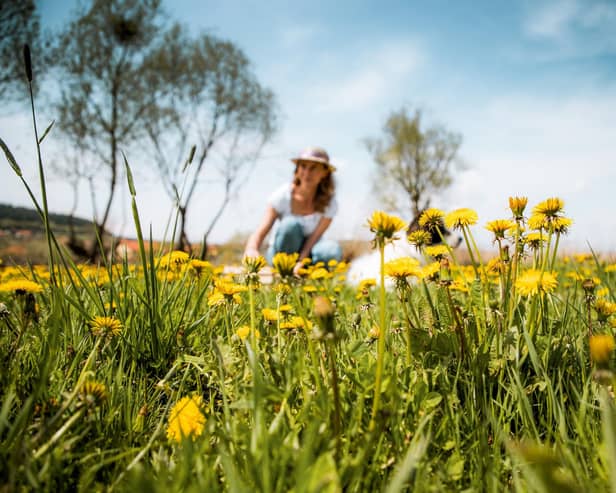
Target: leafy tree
(109,85)
(413,162)
(19,24)
(218,106)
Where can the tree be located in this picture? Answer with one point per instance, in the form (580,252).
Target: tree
(19,24)
(413,163)
(218,106)
(105,62)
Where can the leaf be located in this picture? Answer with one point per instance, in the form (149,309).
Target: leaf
(324,476)
(455,467)
(432,400)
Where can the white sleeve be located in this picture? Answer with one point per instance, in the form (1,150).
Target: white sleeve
(332,208)
(280,199)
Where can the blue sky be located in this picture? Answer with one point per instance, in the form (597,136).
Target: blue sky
(530,85)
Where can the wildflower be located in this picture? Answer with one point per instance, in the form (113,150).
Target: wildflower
(549,207)
(320,273)
(174,260)
(495,266)
(534,240)
(604,309)
(229,289)
(437,251)
(269,314)
(601,348)
(461,217)
(363,288)
(419,238)
(105,326)
(374,332)
(200,267)
(561,224)
(533,282)
(499,227)
(186,419)
(244,331)
(21,286)
(538,222)
(92,393)
(429,271)
(517,206)
(324,312)
(402,267)
(284,263)
(431,219)
(296,322)
(309,288)
(384,226)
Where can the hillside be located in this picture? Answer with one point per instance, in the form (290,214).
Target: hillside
(13,219)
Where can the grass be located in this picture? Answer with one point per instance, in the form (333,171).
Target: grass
(168,375)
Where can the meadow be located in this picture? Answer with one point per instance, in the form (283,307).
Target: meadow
(171,375)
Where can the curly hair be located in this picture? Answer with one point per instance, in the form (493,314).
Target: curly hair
(325,191)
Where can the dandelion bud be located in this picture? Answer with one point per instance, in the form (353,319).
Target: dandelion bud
(324,311)
(517,206)
(601,348)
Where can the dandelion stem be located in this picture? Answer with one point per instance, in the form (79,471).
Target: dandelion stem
(381,342)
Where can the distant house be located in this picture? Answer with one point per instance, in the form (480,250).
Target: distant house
(23,234)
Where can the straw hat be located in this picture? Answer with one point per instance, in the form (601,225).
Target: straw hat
(316,155)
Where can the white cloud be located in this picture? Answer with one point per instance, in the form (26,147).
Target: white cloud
(552,19)
(372,78)
(571,28)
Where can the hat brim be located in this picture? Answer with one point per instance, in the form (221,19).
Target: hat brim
(330,166)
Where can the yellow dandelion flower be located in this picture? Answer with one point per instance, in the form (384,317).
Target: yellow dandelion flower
(533,282)
(105,326)
(363,288)
(582,257)
(374,332)
(538,222)
(92,393)
(495,266)
(461,217)
(402,267)
(419,238)
(610,268)
(309,288)
(254,264)
(384,225)
(269,314)
(517,206)
(549,207)
(534,240)
(561,225)
(174,260)
(200,267)
(603,292)
(601,348)
(499,227)
(431,218)
(429,271)
(367,283)
(21,286)
(186,419)
(244,331)
(604,309)
(229,288)
(320,273)
(296,322)
(436,251)
(284,263)
(341,267)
